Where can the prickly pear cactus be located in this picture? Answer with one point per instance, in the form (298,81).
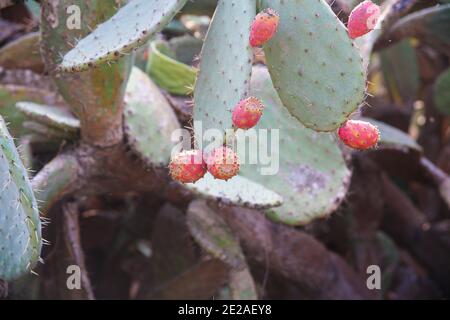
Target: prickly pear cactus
(95,92)
(23,53)
(20,226)
(315,67)
(10,95)
(236,191)
(168,73)
(442,92)
(51,116)
(225,67)
(431,25)
(312,176)
(149,120)
(212,233)
(132,26)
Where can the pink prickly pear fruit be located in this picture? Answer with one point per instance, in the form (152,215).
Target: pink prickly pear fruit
(359,135)
(187,166)
(223,163)
(363,19)
(264,27)
(247,112)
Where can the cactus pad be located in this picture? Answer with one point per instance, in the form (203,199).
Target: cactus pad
(149,120)
(55,117)
(225,67)
(23,53)
(314,65)
(236,191)
(430,25)
(129,28)
(20,226)
(442,93)
(48,133)
(312,176)
(10,95)
(212,233)
(167,72)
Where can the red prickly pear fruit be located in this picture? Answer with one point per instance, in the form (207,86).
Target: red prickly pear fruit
(363,19)
(264,27)
(247,112)
(359,135)
(223,163)
(187,166)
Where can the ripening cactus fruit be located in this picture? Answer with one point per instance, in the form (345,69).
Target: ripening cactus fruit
(264,27)
(247,112)
(187,166)
(223,163)
(363,19)
(359,134)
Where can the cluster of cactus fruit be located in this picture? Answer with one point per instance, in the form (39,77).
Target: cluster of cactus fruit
(223,163)
(313,80)
(190,166)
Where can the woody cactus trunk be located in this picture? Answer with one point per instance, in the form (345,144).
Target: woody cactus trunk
(120,125)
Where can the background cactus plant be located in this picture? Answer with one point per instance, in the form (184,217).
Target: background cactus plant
(96,112)
(20,233)
(149,137)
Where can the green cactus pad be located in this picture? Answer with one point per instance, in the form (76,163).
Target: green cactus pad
(315,67)
(442,93)
(391,259)
(212,233)
(10,95)
(396,61)
(236,191)
(20,226)
(131,27)
(312,176)
(23,53)
(391,137)
(55,117)
(167,72)
(34,8)
(225,67)
(49,133)
(149,120)
(430,25)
